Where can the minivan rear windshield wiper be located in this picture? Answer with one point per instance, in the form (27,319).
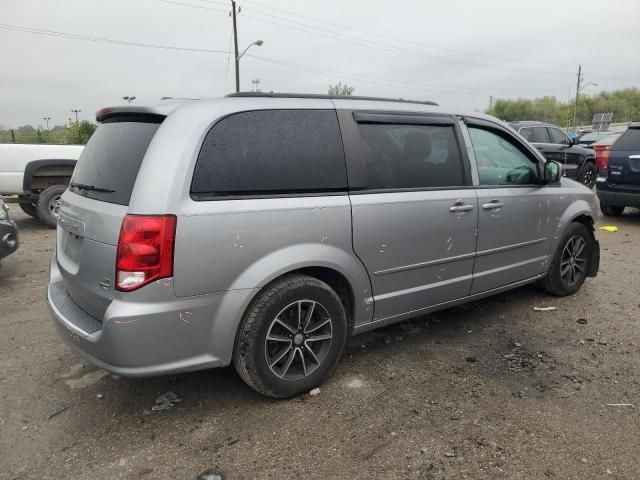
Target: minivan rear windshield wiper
(93,188)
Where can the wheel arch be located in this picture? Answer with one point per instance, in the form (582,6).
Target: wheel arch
(34,167)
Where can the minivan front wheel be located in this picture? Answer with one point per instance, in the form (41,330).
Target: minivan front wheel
(571,262)
(291,337)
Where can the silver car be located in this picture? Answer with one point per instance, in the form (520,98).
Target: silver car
(261,230)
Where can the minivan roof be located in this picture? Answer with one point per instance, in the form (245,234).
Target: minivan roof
(205,108)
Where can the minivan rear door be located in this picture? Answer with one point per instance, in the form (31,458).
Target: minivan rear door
(414,210)
(92,209)
(624,158)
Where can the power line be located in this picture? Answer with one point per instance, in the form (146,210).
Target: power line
(369,79)
(436,47)
(378,46)
(111,41)
(455,88)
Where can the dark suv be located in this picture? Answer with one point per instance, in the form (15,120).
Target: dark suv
(618,184)
(579,162)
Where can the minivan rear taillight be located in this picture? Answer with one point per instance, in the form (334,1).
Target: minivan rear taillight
(145,250)
(602,156)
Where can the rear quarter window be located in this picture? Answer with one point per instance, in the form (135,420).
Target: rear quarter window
(271,152)
(629,140)
(109,164)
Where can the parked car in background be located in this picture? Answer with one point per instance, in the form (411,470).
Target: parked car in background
(262,229)
(579,162)
(592,137)
(618,183)
(36,175)
(8,232)
(601,148)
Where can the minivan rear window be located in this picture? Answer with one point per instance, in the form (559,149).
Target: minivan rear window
(629,140)
(271,152)
(109,164)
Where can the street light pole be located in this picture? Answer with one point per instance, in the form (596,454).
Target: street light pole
(257,43)
(575,107)
(129,99)
(77,125)
(46,119)
(235,45)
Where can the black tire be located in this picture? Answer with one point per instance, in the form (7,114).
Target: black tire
(588,175)
(30,209)
(611,210)
(555,282)
(47,208)
(251,351)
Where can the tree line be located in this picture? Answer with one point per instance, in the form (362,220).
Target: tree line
(72,134)
(624,104)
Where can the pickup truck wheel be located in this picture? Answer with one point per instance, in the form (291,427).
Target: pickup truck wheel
(571,261)
(30,209)
(49,203)
(611,210)
(588,175)
(291,337)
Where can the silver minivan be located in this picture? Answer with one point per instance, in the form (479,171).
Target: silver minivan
(262,229)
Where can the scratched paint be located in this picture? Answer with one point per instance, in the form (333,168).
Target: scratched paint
(184,316)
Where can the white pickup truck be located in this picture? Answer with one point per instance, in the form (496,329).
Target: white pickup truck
(35,176)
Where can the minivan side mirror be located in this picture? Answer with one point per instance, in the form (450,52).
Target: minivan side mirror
(552,172)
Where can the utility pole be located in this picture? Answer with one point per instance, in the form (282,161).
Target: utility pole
(46,119)
(77,125)
(575,107)
(490,103)
(235,45)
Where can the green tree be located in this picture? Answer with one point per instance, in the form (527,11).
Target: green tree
(624,104)
(340,90)
(79,132)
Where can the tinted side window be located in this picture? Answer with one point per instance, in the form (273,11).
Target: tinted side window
(558,136)
(629,140)
(500,161)
(411,156)
(535,134)
(272,151)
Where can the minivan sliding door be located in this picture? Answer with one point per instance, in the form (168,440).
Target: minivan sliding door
(414,209)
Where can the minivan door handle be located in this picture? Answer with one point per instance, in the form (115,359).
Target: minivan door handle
(460,206)
(493,205)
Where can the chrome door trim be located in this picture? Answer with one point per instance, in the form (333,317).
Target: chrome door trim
(510,247)
(440,261)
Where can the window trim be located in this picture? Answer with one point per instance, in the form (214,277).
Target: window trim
(527,151)
(536,126)
(356,163)
(566,137)
(265,194)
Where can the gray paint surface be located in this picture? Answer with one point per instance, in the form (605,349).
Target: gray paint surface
(401,252)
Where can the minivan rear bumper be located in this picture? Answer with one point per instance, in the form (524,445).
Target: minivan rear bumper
(151,335)
(620,196)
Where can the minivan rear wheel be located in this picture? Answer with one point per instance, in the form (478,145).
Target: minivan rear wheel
(291,337)
(611,210)
(571,261)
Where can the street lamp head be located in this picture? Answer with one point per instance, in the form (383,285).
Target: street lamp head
(258,43)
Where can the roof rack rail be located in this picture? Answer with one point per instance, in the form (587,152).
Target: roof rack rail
(330,97)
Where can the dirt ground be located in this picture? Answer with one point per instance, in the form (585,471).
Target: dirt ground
(490,390)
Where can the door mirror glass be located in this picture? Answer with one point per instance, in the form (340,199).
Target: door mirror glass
(552,172)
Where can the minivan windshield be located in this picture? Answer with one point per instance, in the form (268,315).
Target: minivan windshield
(109,164)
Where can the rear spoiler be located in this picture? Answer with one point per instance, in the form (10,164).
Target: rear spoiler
(138,113)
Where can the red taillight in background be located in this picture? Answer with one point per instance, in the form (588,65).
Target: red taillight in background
(145,250)
(602,156)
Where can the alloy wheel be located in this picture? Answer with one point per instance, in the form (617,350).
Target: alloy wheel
(573,263)
(298,339)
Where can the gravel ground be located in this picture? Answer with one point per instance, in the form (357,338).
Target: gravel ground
(489,390)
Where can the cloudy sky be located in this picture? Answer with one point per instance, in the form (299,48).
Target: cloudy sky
(86,54)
